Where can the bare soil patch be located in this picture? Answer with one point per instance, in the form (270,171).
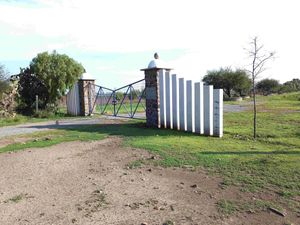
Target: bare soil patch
(90,183)
(13,140)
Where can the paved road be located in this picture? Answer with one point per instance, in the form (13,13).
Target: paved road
(235,108)
(34,127)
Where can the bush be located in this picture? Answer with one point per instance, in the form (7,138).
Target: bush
(268,86)
(290,86)
(28,87)
(43,114)
(232,82)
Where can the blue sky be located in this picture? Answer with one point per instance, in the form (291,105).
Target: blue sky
(115,39)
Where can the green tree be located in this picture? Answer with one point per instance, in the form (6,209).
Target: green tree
(268,86)
(230,81)
(28,87)
(291,86)
(242,82)
(4,81)
(57,72)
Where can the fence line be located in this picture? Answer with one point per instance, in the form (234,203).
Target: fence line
(190,106)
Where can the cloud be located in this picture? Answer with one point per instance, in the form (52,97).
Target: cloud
(214,32)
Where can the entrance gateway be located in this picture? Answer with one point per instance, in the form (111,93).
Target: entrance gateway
(161,98)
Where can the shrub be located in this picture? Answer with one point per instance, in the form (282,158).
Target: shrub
(268,86)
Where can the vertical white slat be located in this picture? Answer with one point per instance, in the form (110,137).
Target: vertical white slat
(76,101)
(189,106)
(175,102)
(201,108)
(208,110)
(197,107)
(73,101)
(68,102)
(218,113)
(181,104)
(168,100)
(162,98)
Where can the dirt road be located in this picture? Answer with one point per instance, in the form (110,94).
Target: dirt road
(90,183)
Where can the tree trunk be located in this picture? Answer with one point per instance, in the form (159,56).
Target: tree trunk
(254,109)
(228,92)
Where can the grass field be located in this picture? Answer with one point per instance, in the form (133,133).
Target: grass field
(18,119)
(271,163)
(21,119)
(124,109)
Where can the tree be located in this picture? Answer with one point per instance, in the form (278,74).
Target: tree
(28,87)
(242,82)
(290,86)
(268,86)
(4,81)
(229,80)
(259,57)
(57,72)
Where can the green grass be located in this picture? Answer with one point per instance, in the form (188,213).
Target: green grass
(21,119)
(18,198)
(49,138)
(228,207)
(270,163)
(18,119)
(135,164)
(124,109)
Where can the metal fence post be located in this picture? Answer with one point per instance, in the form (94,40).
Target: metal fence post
(36,103)
(131,101)
(114,102)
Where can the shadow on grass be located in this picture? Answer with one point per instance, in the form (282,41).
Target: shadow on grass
(252,153)
(139,129)
(134,129)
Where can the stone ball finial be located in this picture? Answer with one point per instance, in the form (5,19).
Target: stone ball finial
(156,55)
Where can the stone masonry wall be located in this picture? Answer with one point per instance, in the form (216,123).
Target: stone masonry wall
(152,97)
(86,96)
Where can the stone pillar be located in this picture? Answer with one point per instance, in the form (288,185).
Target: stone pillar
(153,74)
(153,96)
(86,96)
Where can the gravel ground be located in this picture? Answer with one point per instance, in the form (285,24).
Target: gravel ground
(90,183)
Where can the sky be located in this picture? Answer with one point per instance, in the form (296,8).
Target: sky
(114,39)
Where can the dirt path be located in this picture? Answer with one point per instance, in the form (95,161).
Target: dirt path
(28,128)
(90,183)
